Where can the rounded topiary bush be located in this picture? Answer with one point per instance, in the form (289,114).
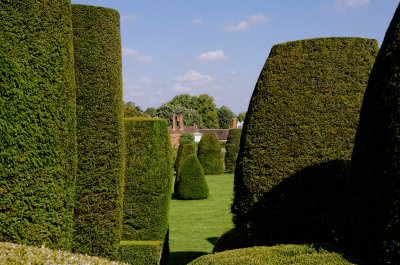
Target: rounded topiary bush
(375,183)
(148,179)
(188,149)
(182,142)
(232,149)
(279,254)
(37,123)
(303,111)
(192,184)
(98,67)
(210,154)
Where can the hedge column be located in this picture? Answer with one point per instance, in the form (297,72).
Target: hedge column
(148,179)
(37,123)
(375,163)
(210,154)
(303,111)
(232,149)
(98,211)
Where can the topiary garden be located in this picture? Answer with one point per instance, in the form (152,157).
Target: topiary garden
(232,149)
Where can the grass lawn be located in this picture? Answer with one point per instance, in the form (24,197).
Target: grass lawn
(196,225)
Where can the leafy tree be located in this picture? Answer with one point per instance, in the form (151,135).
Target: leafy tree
(225,116)
(165,111)
(208,111)
(150,112)
(184,100)
(241,116)
(131,110)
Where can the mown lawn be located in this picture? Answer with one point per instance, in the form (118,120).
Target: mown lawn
(196,225)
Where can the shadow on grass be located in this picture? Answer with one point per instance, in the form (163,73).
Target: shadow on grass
(184,257)
(212,240)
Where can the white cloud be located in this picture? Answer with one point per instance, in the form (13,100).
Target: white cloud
(144,59)
(129,52)
(136,88)
(343,5)
(197,21)
(246,24)
(135,55)
(194,76)
(180,88)
(126,18)
(211,56)
(233,72)
(144,80)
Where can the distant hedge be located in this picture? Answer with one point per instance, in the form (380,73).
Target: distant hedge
(191,183)
(232,149)
(375,183)
(148,179)
(37,123)
(98,209)
(188,149)
(303,111)
(279,254)
(210,154)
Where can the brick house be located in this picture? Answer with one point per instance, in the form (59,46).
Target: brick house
(177,129)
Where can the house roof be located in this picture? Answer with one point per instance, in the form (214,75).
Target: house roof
(222,134)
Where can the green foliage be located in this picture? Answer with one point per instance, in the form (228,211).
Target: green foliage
(187,137)
(98,208)
(275,255)
(232,149)
(184,100)
(241,116)
(13,254)
(210,154)
(130,110)
(375,188)
(190,117)
(149,112)
(182,142)
(232,239)
(303,111)
(37,123)
(188,149)
(208,111)
(140,252)
(191,183)
(225,116)
(148,179)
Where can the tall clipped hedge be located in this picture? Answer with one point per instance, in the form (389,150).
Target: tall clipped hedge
(210,154)
(182,141)
(148,179)
(232,149)
(188,149)
(303,111)
(37,123)
(98,210)
(375,163)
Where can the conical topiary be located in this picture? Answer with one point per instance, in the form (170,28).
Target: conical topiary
(210,154)
(191,185)
(375,164)
(188,149)
(303,111)
(232,149)
(182,142)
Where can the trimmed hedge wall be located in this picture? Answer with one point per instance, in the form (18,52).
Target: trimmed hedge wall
(148,180)
(303,111)
(210,154)
(275,255)
(232,149)
(191,184)
(37,123)
(375,188)
(140,252)
(98,210)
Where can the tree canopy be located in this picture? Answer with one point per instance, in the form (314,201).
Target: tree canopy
(165,111)
(184,100)
(208,111)
(225,116)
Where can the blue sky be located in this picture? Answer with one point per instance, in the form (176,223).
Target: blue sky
(219,47)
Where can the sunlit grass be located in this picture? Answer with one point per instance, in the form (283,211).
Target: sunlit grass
(196,225)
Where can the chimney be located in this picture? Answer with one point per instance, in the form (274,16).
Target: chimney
(234,123)
(173,122)
(181,122)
